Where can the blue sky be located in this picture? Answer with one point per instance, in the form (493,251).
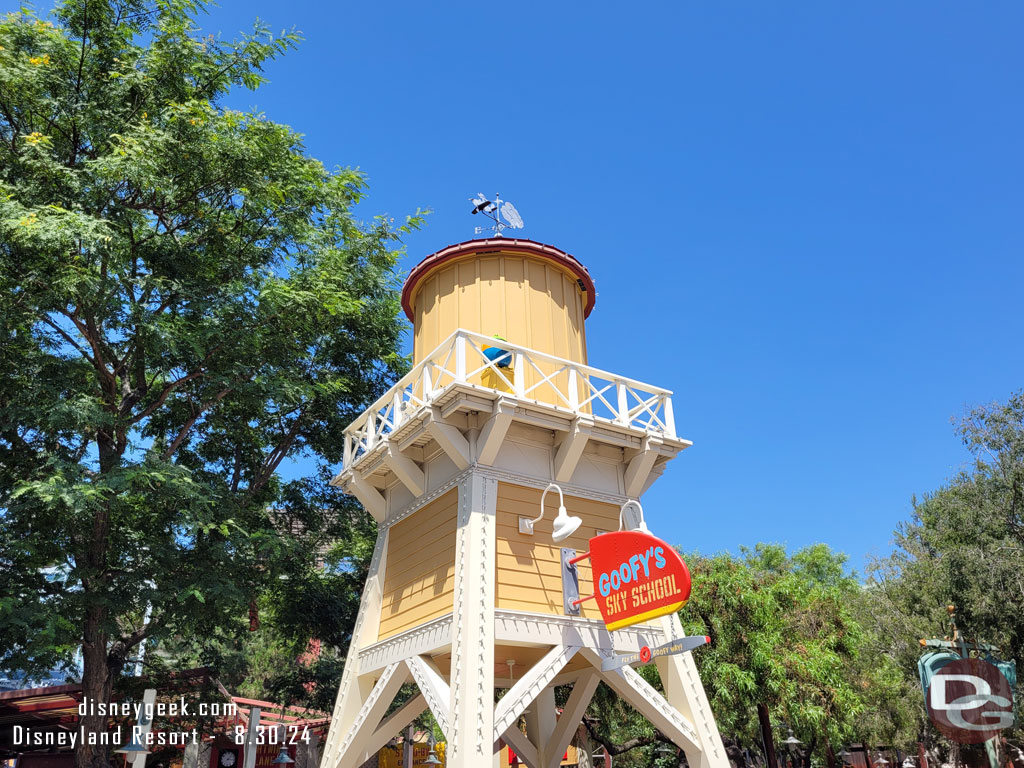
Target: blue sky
(804,218)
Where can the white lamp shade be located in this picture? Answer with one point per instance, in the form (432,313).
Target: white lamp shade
(564,526)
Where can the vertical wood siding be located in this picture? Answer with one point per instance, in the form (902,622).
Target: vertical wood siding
(527,300)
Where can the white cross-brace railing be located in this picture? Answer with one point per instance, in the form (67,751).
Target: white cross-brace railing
(460,359)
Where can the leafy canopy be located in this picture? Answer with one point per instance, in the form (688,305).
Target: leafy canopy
(186,301)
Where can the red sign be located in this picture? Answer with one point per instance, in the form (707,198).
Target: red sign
(970,701)
(638,577)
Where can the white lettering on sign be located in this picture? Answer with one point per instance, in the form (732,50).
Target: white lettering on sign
(982,695)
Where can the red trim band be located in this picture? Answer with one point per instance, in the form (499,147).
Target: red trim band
(507,245)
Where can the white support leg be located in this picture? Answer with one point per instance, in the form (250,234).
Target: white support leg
(353,691)
(355,748)
(684,691)
(471,739)
(569,720)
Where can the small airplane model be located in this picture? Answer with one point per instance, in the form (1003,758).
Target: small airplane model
(492,209)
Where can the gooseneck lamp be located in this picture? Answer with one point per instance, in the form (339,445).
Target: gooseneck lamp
(565,525)
(643,523)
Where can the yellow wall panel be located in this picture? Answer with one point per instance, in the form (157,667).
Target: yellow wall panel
(419,574)
(529,573)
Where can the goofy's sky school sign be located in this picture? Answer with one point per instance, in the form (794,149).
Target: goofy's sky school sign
(637,577)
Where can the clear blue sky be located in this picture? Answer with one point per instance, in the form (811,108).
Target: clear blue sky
(805,218)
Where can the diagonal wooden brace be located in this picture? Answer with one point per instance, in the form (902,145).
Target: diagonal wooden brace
(570,718)
(353,749)
(434,689)
(395,722)
(639,694)
(522,746)
(518,698)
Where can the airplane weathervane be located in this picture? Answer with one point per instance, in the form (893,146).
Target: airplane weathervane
(492,209)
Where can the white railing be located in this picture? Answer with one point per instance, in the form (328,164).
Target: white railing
(524,373)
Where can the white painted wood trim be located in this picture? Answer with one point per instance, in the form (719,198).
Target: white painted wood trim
(406,470)
(371,499)
(471,737)
(571,450)
(492,435)
(353,691)
(434,689)
(526,689)
(451,440)
(354,747)
(522,746)
(427,639)
(569,720)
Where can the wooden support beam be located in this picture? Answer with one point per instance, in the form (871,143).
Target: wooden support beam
(356,687)
(434,689)
(684,691)
(368,496)
(569,452)
(471,742)
(353,748)
(526,689)
(639,468)
(406,470)
(450,439)
(570,718)
(541,719)
(639,694)
(493,433)
(522,746)
(394,723)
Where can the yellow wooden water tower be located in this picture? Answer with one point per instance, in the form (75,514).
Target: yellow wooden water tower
(463,598)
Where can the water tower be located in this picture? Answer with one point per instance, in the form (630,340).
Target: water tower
(464,598)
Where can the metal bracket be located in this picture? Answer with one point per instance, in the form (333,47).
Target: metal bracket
(570,583)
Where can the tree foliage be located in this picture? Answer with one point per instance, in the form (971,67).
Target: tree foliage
(964,546)
(786,648)
(783,640)
(186,301)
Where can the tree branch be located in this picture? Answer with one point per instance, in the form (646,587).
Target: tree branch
(187,427)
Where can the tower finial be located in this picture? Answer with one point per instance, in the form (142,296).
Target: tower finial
(493,209)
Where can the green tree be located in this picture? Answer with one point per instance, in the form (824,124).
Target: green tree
(186,301)
(783,643)
(964,545)
(786,647)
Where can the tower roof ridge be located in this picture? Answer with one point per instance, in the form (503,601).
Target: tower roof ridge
(506,244)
